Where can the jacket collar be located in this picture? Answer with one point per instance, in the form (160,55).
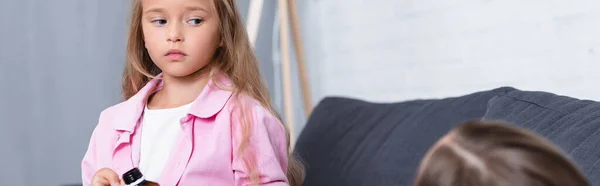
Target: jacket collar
(211,100)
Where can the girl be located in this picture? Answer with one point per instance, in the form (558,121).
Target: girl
(496,154)
(197,111)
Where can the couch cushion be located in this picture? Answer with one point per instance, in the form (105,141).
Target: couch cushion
(572,124)
(353,142)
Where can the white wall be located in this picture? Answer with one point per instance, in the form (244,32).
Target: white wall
(393,50)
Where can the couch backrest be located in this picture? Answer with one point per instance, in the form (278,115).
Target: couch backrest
(352,142)
(572,124)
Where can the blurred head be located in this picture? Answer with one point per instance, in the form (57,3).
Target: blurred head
(496,154)
(179,38)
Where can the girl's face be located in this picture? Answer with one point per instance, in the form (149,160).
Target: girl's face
(181,36)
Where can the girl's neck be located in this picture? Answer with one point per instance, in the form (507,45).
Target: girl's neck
(178,91)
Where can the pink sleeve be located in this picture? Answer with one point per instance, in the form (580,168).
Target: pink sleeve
(267,146)
(89,162)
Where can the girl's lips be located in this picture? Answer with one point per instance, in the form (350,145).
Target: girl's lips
(175,55)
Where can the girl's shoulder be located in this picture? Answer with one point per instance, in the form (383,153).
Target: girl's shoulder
(121,116)
(246,108)
(246,104)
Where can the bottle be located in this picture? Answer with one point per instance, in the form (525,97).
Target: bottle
(134,177)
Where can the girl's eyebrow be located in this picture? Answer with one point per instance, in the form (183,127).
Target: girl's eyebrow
(195,8)
(157,10)
(188,8)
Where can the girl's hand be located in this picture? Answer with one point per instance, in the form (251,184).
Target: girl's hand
(106,177)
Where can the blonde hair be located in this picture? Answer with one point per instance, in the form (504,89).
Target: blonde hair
(235,58)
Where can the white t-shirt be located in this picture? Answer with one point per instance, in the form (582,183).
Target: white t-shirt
(160,128)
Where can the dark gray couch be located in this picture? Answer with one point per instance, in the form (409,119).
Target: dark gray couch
(350,142)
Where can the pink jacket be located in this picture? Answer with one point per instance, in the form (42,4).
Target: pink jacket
(205,153)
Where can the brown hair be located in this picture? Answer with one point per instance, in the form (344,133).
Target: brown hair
(235,59)
(496,154)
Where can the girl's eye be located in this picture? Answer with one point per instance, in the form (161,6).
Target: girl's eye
(195,21)
(159,22)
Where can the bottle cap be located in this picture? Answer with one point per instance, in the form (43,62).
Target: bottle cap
(132,175)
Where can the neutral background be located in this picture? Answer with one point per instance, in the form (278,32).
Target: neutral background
(60,65)
(404,49)
(61,61)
